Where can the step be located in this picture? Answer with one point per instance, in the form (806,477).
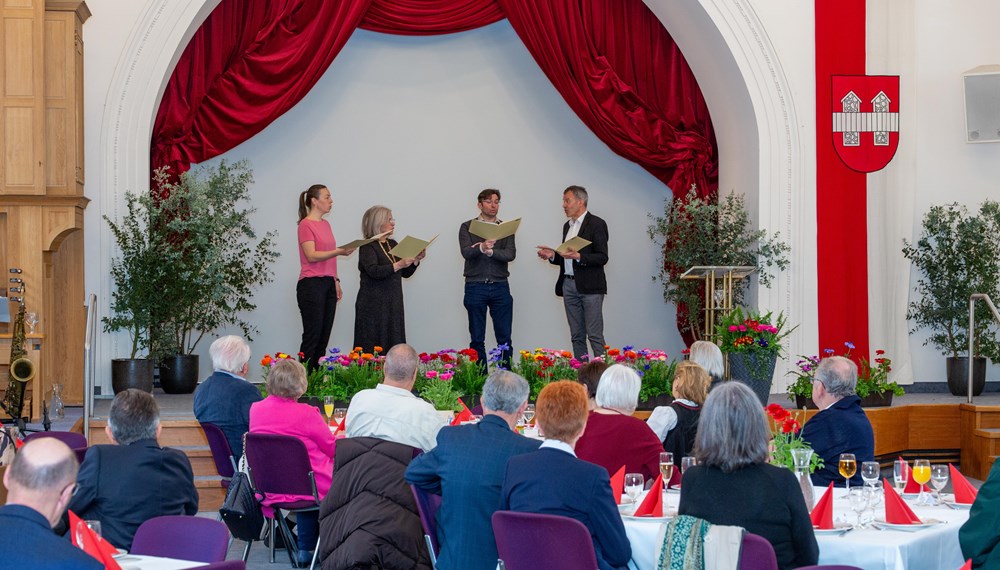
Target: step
(201,460)
(989,433)
(211,494)
(176,433)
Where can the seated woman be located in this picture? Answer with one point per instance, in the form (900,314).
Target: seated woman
(677,423)
(279,413)
(709,356)
(734,485)
(613,437)
(589,375)
(553,481)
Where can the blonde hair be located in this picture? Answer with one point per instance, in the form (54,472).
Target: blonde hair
(691,382)
(373,220)
(287,379)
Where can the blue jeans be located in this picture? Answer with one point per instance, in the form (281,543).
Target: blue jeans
(496,297)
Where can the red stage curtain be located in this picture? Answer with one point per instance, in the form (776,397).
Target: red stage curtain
(611,60)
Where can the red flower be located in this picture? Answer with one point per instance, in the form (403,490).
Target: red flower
(789,426)
(879,352)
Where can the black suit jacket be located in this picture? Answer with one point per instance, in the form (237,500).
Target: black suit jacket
(123,486)
(589,269)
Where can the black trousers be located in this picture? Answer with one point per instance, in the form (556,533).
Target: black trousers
(317,298)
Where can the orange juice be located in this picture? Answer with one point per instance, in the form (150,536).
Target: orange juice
(921,474)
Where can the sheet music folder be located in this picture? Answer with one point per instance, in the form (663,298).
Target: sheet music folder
(703,271)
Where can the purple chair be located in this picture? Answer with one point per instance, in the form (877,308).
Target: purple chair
(193,538)
(757,553)
(527,541)
(225,463)
(829,567)
(279,465)
(76,441)
(427,506)
(227,565)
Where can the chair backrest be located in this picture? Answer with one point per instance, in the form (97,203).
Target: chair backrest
(427,506)
(221,454)
(186,537)
(227,565)
(279,464)
(757,553)
(72,439)
(527,540)
(829,567)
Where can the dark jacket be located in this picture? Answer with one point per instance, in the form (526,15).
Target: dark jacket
(369,517)
(588,271)
(841,428)
(27,541)
(479,266)
(467,467)
(680,440)
(224,400)
(980,535)
(123,486)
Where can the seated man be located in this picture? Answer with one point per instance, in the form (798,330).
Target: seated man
(224,399)
(841,426)
(40,482)
(980,535)
(126,484)
(390,411)
(467,467)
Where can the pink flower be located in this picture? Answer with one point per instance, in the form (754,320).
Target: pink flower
(431,374)
(447,375)
(742,328)
(733,328)
(449,366)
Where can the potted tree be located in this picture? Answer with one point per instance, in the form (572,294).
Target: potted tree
(752,345)
(957,254)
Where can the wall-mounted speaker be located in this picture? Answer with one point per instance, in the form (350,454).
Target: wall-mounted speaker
(982,104)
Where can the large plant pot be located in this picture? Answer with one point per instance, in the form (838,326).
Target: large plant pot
(754,370)
(879,400)
(179,373)
(312,401)
(804,402)
(958,375)
(652,403)
(131,373)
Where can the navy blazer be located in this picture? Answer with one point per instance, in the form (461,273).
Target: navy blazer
(224,400)
(123,486)
(467,469)
(841,428)
(27,541)
(553,482)
(588,271)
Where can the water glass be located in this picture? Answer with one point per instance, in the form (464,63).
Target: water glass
(939,478)
(688,462)
(634,483)
(93,525)
(870,471)
(900,474)
(859,499)
(529,413)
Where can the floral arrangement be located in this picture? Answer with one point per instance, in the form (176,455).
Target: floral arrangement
(441,393)
(545,365)
(786,436)
(751,332)
(871,379)
(460,367)
(341,375)
(654,367)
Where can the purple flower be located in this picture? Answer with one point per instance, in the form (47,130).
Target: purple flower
(849,345)
(828,351)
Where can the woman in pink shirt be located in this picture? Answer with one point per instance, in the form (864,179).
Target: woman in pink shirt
(279,413)
(318,289)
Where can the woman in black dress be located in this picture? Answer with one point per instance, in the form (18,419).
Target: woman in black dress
(378,317)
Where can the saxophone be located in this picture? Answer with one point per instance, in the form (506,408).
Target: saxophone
(22,369)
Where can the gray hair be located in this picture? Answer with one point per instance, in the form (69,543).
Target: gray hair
(732,429)
(578,192)
(505,391)
(229,353)
(619,389)
(709,356)
(287,379)
(134,416)
(838,375)
(373,220)
(44,464)
(400,363)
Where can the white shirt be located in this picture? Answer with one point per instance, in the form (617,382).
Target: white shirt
(560,445)
(393,414)
(574,230)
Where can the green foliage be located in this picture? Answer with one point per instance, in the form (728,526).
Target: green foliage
(442,394)
(657,378)
(751,332)
(544,366)
(697,231)
(957,254)
(871,379)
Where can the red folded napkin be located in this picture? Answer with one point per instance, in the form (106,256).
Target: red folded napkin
(343,425)
(896,509)
(911,485)
(965,493)
(618,485)
(967,565)
(93,544)
(822,513)
(652,505)
(463,416)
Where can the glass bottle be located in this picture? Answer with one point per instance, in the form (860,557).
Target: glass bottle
(56,408)
(801,458)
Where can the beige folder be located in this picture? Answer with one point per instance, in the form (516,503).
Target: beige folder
(360,242)
(487,230)
(410,246)
(575,243)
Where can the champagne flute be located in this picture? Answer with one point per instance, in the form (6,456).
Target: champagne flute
(899,474)
(921,473)
(529,413)
(666,467)
(633,486)
(939,478)
(328,406)
(847,466)
(870,471)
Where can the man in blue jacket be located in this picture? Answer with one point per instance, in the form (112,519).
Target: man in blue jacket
(224,399)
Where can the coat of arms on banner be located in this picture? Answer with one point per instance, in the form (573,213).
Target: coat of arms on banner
(866,120)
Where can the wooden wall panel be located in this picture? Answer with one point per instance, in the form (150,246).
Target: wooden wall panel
(64,359)
(19,158)
(19,57)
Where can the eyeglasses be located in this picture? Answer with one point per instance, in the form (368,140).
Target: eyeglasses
(491,202)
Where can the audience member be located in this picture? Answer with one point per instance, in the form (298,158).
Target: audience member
(980,535)
(467,468)
(554,482)
(589,374)
(614,437)
(280,413)
(390,411)
(40,482)
(841,426)
(677,424)
(125,484)
(709,356)
(733,484)
(224,398)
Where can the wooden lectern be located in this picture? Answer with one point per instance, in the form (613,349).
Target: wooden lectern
(718,296)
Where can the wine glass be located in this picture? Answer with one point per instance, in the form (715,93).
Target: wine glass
(858,498)
(93,525)
(666,467)
(921,473)
(899,474)
(870,471)
(633,485)
(847,466)
(339,414)
(529,413)
(687,462)
(939,478)
(31,319)
(328,406)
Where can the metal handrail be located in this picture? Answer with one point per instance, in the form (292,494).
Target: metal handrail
(89,340)
(972,331)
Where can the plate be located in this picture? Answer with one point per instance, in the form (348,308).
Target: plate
(909,495)
(959,506)
(928,523)
(647,519)
(675,487)
(837,529)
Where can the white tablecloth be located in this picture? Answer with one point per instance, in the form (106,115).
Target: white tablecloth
(142,562)
(934,548)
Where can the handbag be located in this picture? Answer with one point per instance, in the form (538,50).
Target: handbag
(240,510)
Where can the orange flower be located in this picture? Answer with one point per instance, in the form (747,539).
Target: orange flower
(367,356)
(614,352)
(567,354)
(357,349)
(267,360)
(377,348)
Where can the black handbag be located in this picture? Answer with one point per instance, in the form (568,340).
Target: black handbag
(240,510)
